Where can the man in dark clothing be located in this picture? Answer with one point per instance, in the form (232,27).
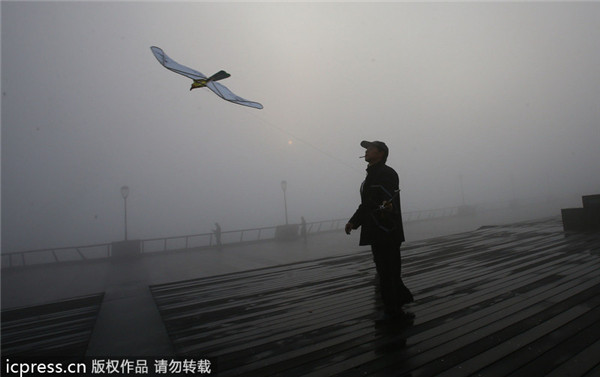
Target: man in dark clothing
(380,217)
(217,232)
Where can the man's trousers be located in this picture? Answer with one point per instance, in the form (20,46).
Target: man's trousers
(389,268)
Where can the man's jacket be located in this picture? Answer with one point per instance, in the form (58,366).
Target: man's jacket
(379,226)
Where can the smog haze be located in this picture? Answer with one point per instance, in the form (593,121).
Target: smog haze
(505,96)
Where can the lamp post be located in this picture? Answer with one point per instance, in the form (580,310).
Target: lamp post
(284,187)
(124,193)
(462,189)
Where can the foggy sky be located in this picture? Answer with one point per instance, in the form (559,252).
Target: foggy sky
(497,93)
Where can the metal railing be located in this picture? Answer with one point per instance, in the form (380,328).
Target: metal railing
(198,241)
(208,240)
(413,216)
(154,245)
(56,255)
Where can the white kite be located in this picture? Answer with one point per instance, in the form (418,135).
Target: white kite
(201,81)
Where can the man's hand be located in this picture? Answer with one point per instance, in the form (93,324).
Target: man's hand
(387,206)
(349,227)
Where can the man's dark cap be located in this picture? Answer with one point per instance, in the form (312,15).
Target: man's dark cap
(378,144)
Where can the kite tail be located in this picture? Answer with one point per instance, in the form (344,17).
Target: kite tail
(219,76)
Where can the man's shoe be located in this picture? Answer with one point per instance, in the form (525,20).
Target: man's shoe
(406,298)
(398,316)
(384,317)
(407,317)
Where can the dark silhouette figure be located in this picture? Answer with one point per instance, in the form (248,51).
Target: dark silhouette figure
(380,217)
(217,232)
(303,229)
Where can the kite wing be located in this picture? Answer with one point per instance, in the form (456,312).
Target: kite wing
(211,83)
(172,65)
(222,91)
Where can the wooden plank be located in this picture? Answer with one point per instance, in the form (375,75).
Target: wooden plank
(481,299)
(572,339)
(522,344)
(582,364)
(438,353)
(61,328)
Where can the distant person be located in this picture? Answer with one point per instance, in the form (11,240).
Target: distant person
(217,232)
(303,229)
(380,217)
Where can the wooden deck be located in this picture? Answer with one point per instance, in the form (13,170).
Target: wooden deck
(60,329)
(516,300)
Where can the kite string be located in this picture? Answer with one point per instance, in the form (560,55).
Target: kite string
(280,129)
